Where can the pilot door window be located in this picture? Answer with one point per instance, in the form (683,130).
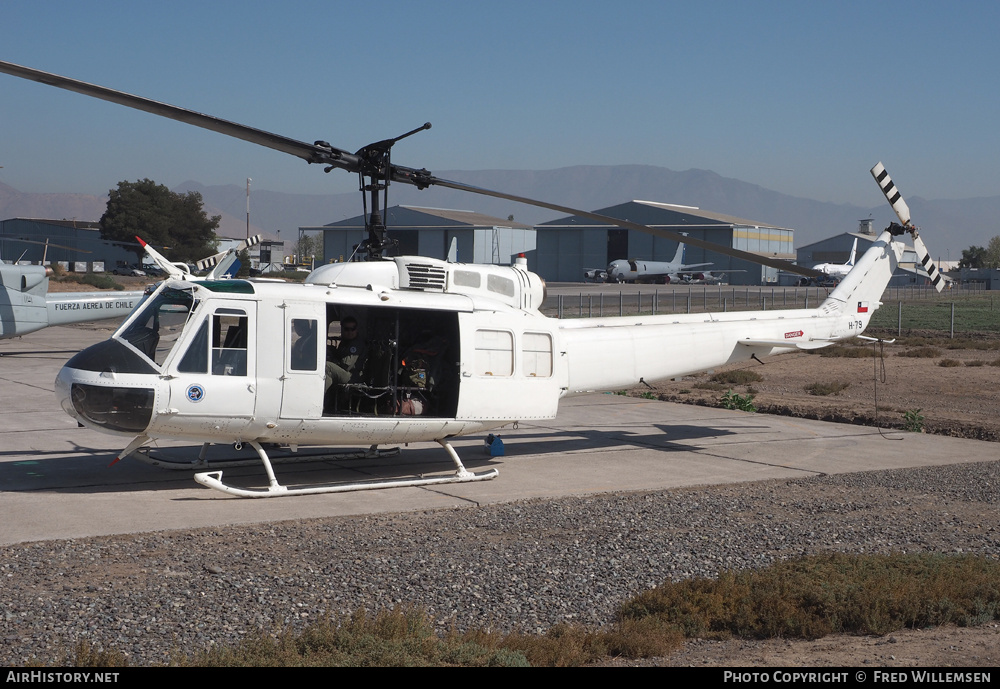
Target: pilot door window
(229,345)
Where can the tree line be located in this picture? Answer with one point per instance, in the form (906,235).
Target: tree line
(982,257)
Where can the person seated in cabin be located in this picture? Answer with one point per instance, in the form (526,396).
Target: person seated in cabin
(342,365)
(304,347)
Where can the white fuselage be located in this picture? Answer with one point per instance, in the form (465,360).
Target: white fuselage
(222,366)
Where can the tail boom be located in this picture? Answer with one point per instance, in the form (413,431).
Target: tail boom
(613,353)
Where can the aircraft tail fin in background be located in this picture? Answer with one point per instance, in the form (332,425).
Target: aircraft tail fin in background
(679,254)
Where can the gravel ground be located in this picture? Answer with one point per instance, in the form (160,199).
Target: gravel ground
(521,565)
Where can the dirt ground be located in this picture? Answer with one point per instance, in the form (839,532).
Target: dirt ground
(882,385)
(954,386)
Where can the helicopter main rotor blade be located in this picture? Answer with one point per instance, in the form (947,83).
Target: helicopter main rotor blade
(312,153)
(323,153)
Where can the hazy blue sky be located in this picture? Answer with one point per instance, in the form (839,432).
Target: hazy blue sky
(799,97)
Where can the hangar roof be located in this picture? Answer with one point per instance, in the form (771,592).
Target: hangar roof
(411,217)
(661,215)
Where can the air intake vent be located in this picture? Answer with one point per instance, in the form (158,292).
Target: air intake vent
(426,277)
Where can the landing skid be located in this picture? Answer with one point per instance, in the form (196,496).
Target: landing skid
(213,479)
(201,463)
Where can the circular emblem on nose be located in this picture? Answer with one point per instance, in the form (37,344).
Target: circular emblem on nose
(195,393)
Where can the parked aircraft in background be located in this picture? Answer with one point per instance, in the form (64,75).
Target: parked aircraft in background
(637,270)
(839,271)
(26,305)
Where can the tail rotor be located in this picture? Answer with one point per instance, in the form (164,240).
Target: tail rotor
(902,211)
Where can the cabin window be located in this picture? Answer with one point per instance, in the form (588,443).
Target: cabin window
(196,357)
(159,324)
(229,343)
(303,339)
(500,285)
(494,353)
(466,278)
(537,354)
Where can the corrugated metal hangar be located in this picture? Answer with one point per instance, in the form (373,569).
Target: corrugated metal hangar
(568,246)
(561,250)
(454,235)
(69,241)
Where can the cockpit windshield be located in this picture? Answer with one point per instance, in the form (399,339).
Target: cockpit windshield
(159,324)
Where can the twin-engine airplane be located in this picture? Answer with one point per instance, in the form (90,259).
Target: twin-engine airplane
(428,350)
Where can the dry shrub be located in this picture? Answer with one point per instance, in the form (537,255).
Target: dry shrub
(571,645)
(823,389)
(401,637)
(709,385)
(840,351)
(741,376)
(86,655)
(817,595)
(949,363)
(975,362)
(922,353)
(966,343)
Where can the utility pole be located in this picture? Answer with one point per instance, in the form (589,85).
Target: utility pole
(248,207)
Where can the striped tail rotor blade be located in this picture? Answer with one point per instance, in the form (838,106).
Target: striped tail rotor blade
(925,260)
(210,262)
(249,242)
(891,193)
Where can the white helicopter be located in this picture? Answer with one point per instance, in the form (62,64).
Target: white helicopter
(449,349)
(26,305)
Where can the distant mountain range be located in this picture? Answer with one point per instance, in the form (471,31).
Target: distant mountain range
(949,225)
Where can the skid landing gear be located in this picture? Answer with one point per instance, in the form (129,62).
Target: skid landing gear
(213,479)
(143,455)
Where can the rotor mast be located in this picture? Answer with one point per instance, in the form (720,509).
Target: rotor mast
(376,166)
